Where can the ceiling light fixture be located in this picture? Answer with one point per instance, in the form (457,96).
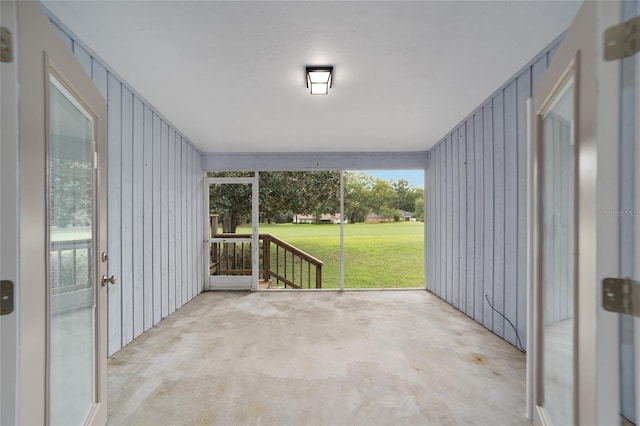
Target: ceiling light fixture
(319,80)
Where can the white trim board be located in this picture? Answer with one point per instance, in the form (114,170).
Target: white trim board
(315,161)
(9,217)
(230,282)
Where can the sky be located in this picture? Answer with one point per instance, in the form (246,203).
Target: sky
(414,177)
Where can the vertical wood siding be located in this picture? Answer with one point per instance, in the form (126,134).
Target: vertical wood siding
(476,205)
(154,200)
(148,219)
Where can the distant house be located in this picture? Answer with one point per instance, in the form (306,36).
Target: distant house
(324,218)
(406,216)
(377,218)
(303,218)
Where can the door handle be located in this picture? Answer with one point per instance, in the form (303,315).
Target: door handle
(106,280)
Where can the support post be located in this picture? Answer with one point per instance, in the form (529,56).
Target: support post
(318,276)
(214,261)
(266,258)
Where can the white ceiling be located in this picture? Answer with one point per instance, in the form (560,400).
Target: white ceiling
(230,75)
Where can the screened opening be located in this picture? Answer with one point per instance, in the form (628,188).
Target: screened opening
(312,238)
(384,237)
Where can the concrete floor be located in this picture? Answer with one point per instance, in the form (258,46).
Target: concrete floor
(317,358)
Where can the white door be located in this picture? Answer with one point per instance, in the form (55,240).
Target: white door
(233,259)
(635,202)
(575,242)
(8,213)
(62,171)
(557,155)
(630,206)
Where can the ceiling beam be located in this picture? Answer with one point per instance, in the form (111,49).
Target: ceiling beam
(316,161)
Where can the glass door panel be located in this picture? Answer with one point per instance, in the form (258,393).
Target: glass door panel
(72,375)
(558,256)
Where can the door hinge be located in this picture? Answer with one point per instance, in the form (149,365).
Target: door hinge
(621,295)
(6,297)
(622,40)
(6,49)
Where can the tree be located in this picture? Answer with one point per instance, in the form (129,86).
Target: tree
(407,195)
(357,196)
(416,195)
(321,191)
(384,199)
(276,195)
(289,193)
(71,193)
(403,192)
(230,201)
(312,192)
(418,210)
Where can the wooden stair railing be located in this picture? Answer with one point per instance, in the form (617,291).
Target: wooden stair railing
(279,260)
(288,260)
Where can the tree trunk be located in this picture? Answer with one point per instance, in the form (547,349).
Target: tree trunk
(231,222)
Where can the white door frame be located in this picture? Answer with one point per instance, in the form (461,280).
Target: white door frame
(239,282)
(606,400)
(41,52)
(596,390)
(9,236)
(636,215)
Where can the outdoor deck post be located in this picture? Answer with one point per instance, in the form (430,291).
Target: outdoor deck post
(213,225)
(266,258)
(213,230)
(318,276)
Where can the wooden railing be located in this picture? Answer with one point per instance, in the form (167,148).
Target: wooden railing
(275,264)
(71,265)
(281,264)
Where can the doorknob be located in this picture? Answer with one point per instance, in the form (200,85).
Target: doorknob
(105,280)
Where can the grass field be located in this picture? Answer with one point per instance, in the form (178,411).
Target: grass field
(377,255)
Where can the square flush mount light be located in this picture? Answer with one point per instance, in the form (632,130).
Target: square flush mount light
(319,80)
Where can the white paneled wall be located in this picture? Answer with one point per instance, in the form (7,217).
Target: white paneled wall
(476,208)
(475,190)
(154,206)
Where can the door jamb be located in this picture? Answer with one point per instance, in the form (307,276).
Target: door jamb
(9,216)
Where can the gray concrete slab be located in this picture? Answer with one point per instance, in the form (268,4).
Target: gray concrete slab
(317,358)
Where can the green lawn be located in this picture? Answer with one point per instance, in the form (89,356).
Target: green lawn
(377,255)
